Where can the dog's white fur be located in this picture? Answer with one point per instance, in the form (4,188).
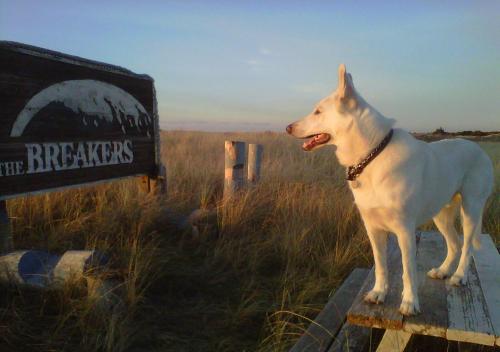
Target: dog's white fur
(408,183)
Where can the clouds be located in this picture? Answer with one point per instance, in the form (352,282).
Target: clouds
(253,63)
(264,55)
(250,61)
(265,51)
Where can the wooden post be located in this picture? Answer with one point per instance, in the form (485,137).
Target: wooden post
(74,264)
(234,167)
(145,184)
(159,184)
(28,267)
(42,269)
(254,161)
(6,242)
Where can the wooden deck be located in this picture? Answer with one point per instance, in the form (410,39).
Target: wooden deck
(468,314)
(320,334)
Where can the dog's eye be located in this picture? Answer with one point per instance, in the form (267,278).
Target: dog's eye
(317,112)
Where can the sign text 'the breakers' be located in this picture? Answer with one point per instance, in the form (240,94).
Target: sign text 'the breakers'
(46,157)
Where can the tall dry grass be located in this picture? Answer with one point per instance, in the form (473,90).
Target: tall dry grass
(250,280)
(114,218)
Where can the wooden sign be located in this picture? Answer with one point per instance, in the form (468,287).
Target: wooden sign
(67,121)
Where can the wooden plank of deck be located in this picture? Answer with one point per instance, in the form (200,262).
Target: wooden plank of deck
(457,313)
(487,262)
(321,332)
(394,341)
(433,317)
(468,316)
(351,338)
(384,315)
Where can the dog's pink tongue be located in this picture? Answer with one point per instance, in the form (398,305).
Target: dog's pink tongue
(314,141)
(309,144)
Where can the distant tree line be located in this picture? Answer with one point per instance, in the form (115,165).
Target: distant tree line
(440,132)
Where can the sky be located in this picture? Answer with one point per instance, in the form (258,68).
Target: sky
(259,65)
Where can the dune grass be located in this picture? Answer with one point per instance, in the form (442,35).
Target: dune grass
(249,280)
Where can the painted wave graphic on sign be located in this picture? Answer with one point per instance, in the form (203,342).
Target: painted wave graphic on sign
(94,102)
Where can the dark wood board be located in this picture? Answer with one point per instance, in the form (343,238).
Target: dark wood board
(99,118)
(321,332)
(351,338)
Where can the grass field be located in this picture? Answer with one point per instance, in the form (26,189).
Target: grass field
(247,281)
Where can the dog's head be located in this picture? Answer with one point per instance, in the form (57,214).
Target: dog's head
(332,116)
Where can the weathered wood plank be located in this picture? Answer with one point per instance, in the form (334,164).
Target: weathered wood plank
(473,347)
(385,315)
(467,312)
(394,341)
(320,333)
(433,319)
(487,262)
(351,338)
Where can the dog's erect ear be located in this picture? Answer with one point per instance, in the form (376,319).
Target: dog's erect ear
(350,80)
(346,87)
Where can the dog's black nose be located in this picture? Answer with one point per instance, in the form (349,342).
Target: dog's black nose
(289,129)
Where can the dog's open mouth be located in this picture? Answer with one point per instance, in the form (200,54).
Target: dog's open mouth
(315,140)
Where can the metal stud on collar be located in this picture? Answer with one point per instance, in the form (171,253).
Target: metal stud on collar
(352,172)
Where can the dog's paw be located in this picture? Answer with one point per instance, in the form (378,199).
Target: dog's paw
(458,280)
(408,307)
(375,296)
(438,273)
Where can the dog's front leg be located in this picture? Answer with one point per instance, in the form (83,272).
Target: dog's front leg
(407,244)
(378,240)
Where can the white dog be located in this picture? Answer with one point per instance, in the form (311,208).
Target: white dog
(400,182)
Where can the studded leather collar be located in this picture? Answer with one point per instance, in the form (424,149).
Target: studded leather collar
(353,172)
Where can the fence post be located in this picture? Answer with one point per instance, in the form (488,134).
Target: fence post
(6,242)
(233,167)
(254,161)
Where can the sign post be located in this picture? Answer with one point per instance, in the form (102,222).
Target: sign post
(5,229)
(68,122)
